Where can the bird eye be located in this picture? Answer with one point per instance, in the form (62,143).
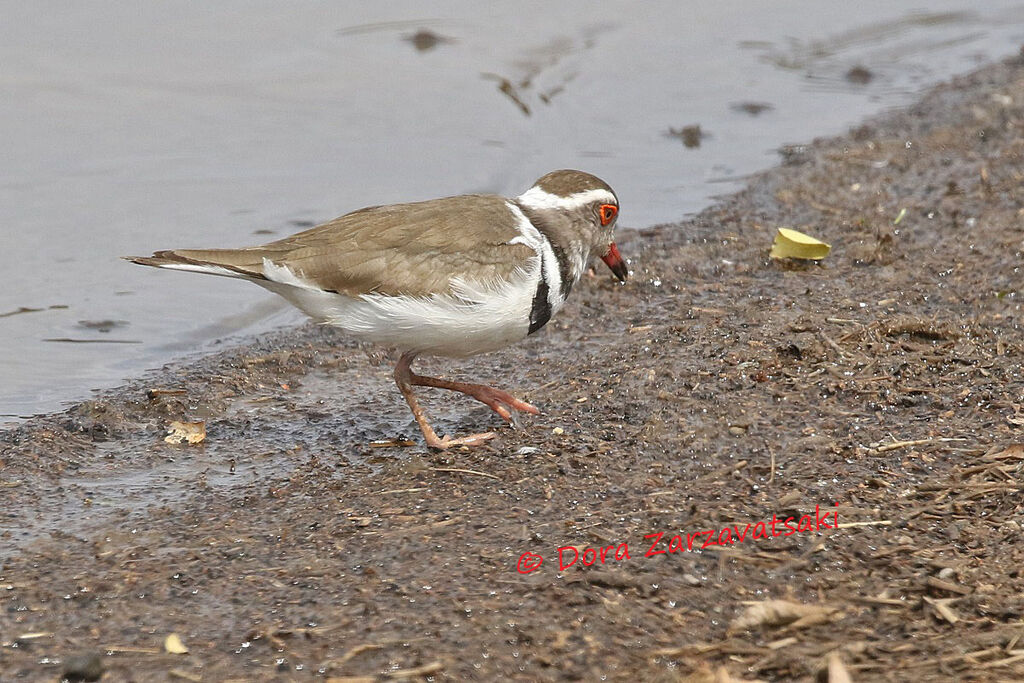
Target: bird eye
(608,213)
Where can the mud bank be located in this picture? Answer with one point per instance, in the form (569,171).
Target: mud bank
(714,391)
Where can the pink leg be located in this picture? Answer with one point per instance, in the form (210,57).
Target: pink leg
(497,400)
(405,379)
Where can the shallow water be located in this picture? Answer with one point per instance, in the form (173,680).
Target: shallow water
(131,127)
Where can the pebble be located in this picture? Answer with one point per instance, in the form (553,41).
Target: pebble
(83,667)
(946,573)
(691,580)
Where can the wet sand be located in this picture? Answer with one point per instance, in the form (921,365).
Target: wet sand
(717,389)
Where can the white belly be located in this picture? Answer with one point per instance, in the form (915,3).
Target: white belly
(473,318)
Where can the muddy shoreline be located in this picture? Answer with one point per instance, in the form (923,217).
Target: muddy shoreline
(715,390)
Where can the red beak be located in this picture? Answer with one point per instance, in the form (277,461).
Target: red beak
(614,260)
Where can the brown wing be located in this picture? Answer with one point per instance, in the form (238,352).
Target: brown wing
(414,249)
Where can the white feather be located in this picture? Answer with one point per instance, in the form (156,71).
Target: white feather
(204,268)
(531,237)
(475,317)
(536,198)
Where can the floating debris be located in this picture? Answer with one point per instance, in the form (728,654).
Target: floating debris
(859,75)
(102,325)
(424,40)
(690,135)
(752,108)
(19,310)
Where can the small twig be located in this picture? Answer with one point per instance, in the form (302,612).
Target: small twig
(1000,662)
(711,311)
(424,670)
(975,657)
(939,584)
(387,443)
(546,386)
(36,635)
(723,470)
(942,607)
(882,448)
(457,469)
(785,642)
(902,444)
(837,672)
(357,650)
(877,522)
(888,602)
(835,347)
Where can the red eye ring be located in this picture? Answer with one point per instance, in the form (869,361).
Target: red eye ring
(608,212)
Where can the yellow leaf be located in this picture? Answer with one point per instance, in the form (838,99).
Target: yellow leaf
(173,645)
(792,244)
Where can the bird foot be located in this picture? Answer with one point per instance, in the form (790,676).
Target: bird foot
(446,442)
(500,401)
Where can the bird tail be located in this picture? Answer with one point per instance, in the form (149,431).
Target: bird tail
(238,263)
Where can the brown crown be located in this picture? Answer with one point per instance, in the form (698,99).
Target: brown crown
(567,181)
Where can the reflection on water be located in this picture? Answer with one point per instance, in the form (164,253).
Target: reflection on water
(129,128)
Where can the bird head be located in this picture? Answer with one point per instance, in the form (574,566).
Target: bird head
(578,211)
